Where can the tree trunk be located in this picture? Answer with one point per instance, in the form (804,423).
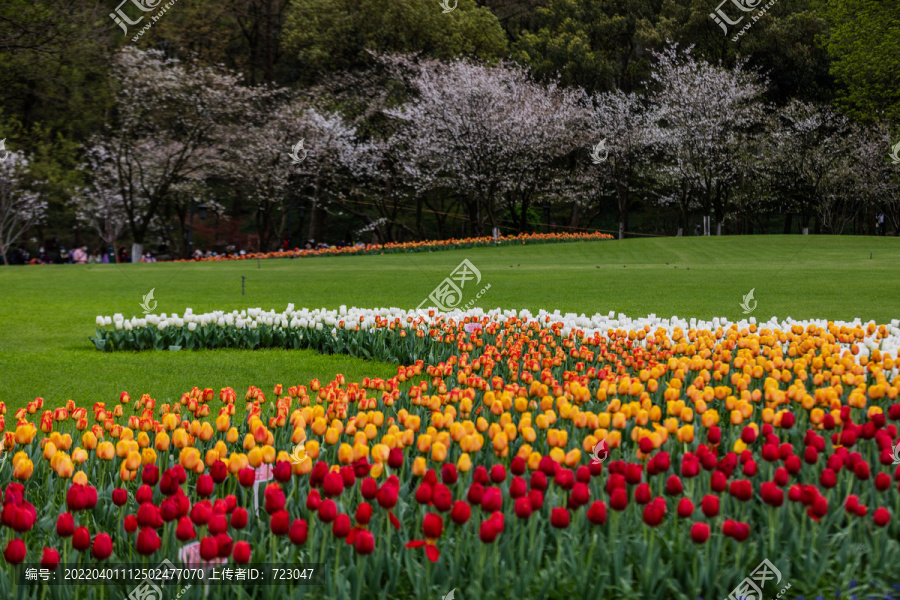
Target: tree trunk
(788,220)
(621,230)
(137,251)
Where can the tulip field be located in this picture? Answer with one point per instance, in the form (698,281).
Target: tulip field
(494,452)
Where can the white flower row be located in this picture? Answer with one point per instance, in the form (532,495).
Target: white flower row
(365,318)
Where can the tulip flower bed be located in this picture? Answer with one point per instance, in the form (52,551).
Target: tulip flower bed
(425,246)
(473,468)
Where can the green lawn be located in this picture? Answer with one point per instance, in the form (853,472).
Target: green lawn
(48,312)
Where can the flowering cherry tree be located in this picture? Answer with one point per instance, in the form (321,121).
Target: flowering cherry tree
(20,207)
(167,121)
(706,114)
(490,134)
(623,122)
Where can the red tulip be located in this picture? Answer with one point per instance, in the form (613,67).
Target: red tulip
(341,526)
(209,548)
(881,516)
(548,466)
(395,458)
(23,517)
(274,498)
(718,482)
(449,474)
(102,547)
(168,483)
(282,471)
(185,530)
(150,475)
(242,553)
(597,513)
(710,506)
(517,487)
(699,533)
(423,493)
(690,466)
(246,477)
(517,466)
(201,512)
(148,515)
(488,531)
(654,513)
(771,494)
(50,559)
(441,497)
(492,500)
(461,512)
(130,524)
(218,523)
(618,500)
(119,496)
(559,518)
(714,435)
(523,507)
(148,542)
(748,435)
(76,497)
(387,496)
(327,511)
(81,539)
(642,493)
(368,488)
(143,494)
(498,474)
(280,522)
(741,489)
(299,532)
(685,508)
(218,471)
(239,518)
(225,544)
(363,513)
(475,494)
(364,542)
(674,487)
(538,481)
(787,420)
(432,525)
(15,551)
(205,486)
(332,485)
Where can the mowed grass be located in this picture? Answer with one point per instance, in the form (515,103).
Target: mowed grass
(47,313)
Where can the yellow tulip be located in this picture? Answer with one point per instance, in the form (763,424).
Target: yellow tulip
(105,451)
(464,463)
(254,456)
(132,461)
(23,469)
(419,466)
(65,467)
(439,452)
(148,457)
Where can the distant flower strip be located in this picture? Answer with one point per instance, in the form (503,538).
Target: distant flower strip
(426,246)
